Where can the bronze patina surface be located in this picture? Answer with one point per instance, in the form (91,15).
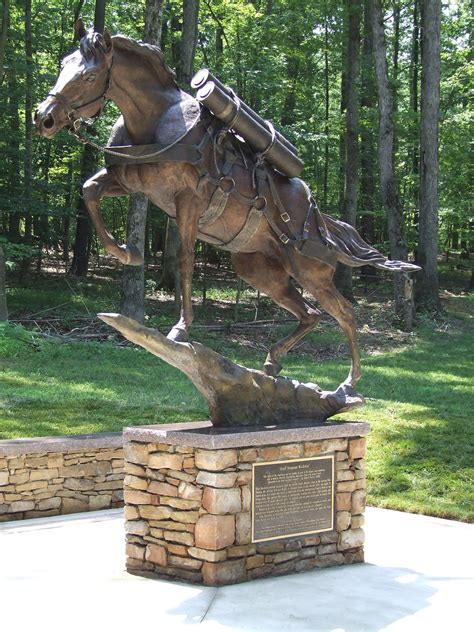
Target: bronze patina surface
(268,221)
(292,498)
(238,396)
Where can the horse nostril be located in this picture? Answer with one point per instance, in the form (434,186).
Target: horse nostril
(48,122)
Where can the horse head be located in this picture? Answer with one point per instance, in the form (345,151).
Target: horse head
(81,88)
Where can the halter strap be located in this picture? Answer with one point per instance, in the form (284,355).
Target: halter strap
(73,112)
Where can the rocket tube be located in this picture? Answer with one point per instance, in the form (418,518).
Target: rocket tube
(259,138)
(204,75)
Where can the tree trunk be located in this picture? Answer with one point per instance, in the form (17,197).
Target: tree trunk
(367,143)
(427,289)
(342,137)
(14,168)
(388,184)
(288,111)
(415,150)
(28,156)
(41,226)
(170,274)
(133,277)
(3,296)
(66,221)
(153,21)
(99,15)
(183,59)
(80,258)
(4,35)
(326,115)
(396,56)
(188,39)
(351,181)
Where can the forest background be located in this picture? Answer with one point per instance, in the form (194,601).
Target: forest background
(325,72)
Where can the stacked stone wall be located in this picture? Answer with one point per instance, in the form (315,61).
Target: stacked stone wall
(188,512)
(60,475)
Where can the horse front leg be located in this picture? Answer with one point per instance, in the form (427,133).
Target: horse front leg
(186,220)
(104,184)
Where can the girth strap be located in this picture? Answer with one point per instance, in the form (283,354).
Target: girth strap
(219,198)
(249,229)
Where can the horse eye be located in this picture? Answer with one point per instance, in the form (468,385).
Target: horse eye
(90,78)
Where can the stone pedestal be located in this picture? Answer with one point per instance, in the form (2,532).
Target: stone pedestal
(188,500)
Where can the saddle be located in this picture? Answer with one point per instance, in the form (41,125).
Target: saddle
(174,128)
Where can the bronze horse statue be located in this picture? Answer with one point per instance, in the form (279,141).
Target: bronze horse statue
(190,165)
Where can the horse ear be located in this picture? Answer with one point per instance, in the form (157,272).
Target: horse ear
(107,41)
(79,29)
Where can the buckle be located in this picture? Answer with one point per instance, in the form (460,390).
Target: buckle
(260,203)
(226,184)
(285,217)
(284,238)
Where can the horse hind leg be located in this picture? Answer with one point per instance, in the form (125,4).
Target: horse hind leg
(269,276)
(317,279)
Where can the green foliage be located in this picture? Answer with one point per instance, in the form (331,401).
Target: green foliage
(15,252)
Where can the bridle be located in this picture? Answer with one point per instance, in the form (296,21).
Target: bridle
(73,113)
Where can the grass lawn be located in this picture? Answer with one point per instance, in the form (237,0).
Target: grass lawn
(419,390)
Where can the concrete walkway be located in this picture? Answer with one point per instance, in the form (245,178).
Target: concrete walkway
(66,574)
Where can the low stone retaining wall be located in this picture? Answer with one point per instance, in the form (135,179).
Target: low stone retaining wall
(60,475)
(189,504)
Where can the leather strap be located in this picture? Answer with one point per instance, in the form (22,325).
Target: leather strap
(219,198)
(248,230)
(317,250)
(245,234)
(181,152)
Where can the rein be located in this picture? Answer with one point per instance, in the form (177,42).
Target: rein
(75,131)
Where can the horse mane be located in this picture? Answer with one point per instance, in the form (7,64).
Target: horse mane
(152,54)
(92,44)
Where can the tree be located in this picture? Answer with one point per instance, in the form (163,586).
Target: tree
(4,35)
(188,40)
(351,145)
(184,61)
(80,259)
(3,296)
(427,288)
(367,141)
(28,155)
(414,78)
(133,277)
(388,183)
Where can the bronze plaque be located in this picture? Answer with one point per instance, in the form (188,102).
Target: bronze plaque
(291,498)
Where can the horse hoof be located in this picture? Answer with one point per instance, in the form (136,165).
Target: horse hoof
(346,389)
(178,335)
(272,368)
(131,256)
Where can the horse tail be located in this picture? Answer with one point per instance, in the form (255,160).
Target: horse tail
(353,251)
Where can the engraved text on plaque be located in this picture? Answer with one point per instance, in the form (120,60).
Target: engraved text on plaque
(291,498)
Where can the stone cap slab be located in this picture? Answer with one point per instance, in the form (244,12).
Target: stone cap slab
(202,434)
(67,443)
